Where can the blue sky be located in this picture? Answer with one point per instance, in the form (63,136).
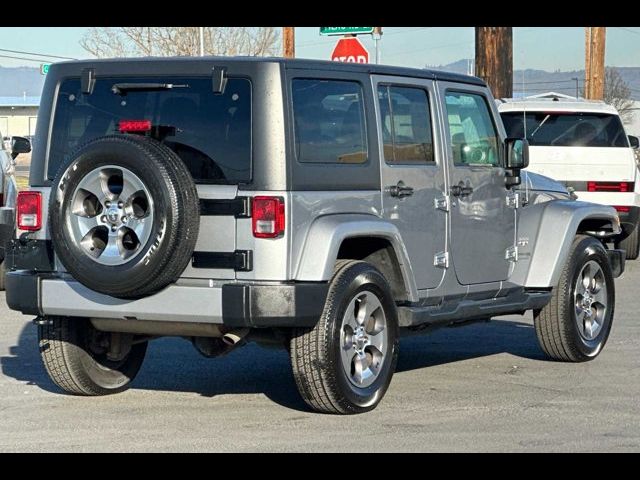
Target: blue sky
(558,48)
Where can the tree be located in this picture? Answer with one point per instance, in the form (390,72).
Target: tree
(617,93)
(179,41)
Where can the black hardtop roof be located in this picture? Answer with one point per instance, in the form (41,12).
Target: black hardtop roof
(288,63)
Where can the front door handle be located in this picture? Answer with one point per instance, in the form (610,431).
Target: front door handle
(400,190)
(461,190)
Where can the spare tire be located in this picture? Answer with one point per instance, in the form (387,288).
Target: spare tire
(124,215)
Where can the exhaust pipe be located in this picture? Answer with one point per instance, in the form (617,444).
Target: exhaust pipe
(235,336)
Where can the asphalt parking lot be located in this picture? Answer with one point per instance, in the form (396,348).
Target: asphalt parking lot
(484,387)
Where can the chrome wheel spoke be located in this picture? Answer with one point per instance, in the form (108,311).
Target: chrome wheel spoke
(588,325)
(377,340)
(138,225)
(95,184)
(368,305)
(360,367)
(114,247)
(86,224)
(350,316)
(601,297)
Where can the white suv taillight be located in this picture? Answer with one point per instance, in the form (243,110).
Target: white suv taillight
(29,211)
(267,217)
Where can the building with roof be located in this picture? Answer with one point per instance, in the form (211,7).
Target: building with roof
(18,115)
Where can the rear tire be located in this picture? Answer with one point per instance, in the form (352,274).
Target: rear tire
(345,363)
(73,354)
(631,244)
(575,324)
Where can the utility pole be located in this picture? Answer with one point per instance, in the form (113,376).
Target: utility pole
(494,59)
(577,90)
(201,41)
(594,62)
(377,37)
(288,42)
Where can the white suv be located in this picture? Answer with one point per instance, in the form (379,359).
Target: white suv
(582,144)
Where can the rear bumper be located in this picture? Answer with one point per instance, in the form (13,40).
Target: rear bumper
(233,305)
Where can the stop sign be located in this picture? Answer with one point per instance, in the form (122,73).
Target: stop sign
(350,50)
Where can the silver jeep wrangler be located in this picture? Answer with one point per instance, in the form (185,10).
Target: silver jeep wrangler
(321,206)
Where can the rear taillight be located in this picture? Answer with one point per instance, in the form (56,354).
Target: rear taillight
(622,187)
(128,126)
(29,211)
(267,217)
(622,208)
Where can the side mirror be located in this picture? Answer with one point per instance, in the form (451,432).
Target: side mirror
(517,158)
(517,153)
(633,141)
(19,145)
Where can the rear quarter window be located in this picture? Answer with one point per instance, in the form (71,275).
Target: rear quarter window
(329,121)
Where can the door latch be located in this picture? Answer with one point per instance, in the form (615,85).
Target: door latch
(511,254)
(513,200)
(461,189)
(400,190)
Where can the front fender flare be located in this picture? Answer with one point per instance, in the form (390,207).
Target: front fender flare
(327,233)
(545,234)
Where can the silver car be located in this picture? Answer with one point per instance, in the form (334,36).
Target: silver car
(319,206)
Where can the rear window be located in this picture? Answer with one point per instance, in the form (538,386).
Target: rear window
(212,131)
(559,129)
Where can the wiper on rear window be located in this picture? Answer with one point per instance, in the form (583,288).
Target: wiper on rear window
(123,88)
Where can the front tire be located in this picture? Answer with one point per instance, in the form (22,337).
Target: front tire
(345,363)
(75,357)
(575,325)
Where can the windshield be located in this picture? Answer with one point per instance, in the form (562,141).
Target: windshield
(212,131)
(560,129)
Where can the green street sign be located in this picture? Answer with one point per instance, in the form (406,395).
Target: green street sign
(345,30)
(44,68)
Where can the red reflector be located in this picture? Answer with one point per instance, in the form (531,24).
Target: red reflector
(267,217)
(134,126)
(622,209)
(622,187)
(29,211)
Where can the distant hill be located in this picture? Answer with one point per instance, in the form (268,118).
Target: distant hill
(14,82)
(538,81)
(17,81)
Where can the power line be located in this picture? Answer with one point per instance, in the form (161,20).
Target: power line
(550,82)
(38,54)
(628,30)
(35,60)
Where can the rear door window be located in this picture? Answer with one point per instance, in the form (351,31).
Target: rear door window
(406,125)
(561,129)
(210,132)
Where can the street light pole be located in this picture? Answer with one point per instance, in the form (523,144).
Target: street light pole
(202,41)
(377,36)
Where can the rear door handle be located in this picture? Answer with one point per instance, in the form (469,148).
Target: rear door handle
(400,190)
(461,190)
